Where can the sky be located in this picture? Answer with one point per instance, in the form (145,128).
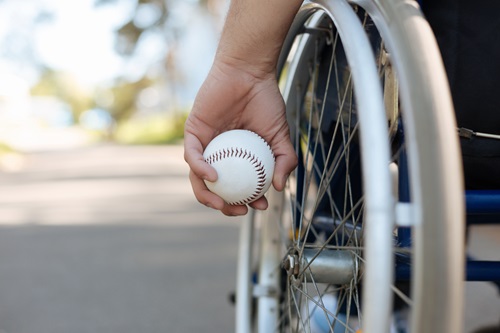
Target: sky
(60,42)
(88,53)
(79,38)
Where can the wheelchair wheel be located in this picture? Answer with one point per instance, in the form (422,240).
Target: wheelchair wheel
(371,223)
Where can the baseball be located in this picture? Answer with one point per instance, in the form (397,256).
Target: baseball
(244,163)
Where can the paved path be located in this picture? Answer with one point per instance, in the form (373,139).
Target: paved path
(110,239)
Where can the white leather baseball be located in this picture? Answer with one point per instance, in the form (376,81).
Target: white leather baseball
(244,163)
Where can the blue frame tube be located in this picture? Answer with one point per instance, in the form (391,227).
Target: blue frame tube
(483,207)
(477,270)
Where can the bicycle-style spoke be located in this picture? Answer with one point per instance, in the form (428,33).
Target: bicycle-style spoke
(325,187)
(316,302)
(328,220)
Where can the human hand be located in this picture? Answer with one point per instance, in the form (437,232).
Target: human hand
(236,98)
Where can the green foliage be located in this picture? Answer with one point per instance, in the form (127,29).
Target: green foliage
(130,32)
(4,148)
(120,97)
(64,87)
(157,129)
(124,97)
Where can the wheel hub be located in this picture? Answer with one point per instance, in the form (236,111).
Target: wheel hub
(322,266)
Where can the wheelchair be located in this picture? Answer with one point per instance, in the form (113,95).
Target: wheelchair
(371,225)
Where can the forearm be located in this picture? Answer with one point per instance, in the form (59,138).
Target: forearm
(254,32)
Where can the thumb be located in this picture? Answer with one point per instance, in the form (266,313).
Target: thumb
(286,161)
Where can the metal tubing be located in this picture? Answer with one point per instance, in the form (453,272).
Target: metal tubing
(483,202)
(483,270)
(329,266)
(483,207)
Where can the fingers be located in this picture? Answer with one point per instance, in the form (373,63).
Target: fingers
(234,210)
(200,171)
(211,200)
(286,162)
(193,155)
(203,195)
(260,204)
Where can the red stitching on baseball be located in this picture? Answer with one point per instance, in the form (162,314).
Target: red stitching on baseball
(243,153)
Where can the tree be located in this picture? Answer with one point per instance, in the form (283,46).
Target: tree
(64,87)
(129,34)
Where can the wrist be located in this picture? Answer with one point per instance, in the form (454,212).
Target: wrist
(253,34)
(252,68)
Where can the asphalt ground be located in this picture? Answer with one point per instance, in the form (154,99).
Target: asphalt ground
(110,239)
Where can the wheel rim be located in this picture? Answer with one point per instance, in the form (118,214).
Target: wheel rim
(316,220)
(325,200)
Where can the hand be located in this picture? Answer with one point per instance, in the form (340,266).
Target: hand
(236,98)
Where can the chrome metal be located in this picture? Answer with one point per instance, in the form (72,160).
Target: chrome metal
(326,266)
(468,134)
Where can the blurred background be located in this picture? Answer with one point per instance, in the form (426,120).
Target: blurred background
(99,229)
(119,70)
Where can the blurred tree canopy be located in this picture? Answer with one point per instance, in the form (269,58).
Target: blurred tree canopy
(123,94)
(63,86)
(124,97)
(146,17)
(129,33)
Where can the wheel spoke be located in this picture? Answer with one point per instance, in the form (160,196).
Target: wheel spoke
(326,204)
